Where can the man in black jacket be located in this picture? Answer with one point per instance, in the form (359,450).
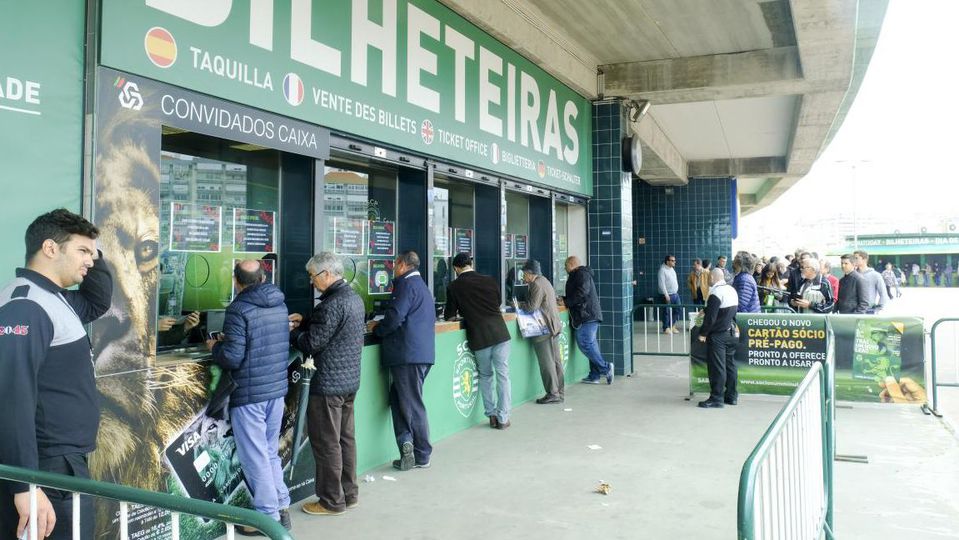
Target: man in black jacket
(585,315)
(333,336)
(721,336)
(255,349)
(853,297)
(477,298)
(46,370)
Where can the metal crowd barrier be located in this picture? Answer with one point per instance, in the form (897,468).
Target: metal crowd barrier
(786,486)
(648,336)
(953,382)
(230,515)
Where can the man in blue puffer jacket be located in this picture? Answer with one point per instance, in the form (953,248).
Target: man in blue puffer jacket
(255,349)
(745,283)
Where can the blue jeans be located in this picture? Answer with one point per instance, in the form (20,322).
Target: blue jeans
(671,315)
(256,430)
(586,339)
(495,358)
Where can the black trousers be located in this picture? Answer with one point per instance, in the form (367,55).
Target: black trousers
(721,366)
(333,438)
(410,423)
(62,501)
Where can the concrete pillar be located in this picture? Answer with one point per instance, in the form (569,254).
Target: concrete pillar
(610,234)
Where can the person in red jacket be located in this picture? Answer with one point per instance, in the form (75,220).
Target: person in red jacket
(826,271)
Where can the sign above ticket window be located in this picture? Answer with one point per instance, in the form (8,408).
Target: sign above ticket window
(406,72)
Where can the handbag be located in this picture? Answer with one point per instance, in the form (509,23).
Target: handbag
(531,323)
(220,400)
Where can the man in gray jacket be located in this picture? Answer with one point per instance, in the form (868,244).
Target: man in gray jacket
(333,336)
(542,297)
(875,286)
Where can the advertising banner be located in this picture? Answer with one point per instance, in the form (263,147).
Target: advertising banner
(877,359)
(253,231)
(409,73)
(382,239)
(520,246)
(348,236)
(41,112)
(380,274)
(195,227)
(508,246)
(463,240)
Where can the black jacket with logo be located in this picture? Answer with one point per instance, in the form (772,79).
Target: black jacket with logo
(46,367)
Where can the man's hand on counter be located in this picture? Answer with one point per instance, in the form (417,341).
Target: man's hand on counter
(371,325)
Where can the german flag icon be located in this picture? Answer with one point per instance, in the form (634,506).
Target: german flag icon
(160,47)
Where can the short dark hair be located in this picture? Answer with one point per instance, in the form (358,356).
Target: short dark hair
(697,260)
(666,259)
(846,257)
(58,226)
(409,258)
(722,257)
(246,278)
(861,254)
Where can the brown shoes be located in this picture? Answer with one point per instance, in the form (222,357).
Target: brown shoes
(317,509)
(503,425)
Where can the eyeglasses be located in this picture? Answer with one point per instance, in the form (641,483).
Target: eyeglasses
(320,273)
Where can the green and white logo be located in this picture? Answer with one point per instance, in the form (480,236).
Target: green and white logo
(465,379)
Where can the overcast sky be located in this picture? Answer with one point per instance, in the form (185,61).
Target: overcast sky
(901,131)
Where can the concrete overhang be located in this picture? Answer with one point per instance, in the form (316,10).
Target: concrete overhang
(744,88)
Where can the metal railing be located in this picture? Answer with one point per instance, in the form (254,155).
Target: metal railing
(936,383)
(648,336)
(786,486)
(125,495)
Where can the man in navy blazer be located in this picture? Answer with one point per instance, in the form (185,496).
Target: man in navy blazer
(408,351)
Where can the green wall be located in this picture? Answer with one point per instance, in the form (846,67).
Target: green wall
(41,117)
(374,428)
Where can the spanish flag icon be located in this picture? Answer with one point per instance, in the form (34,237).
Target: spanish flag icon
(160,47)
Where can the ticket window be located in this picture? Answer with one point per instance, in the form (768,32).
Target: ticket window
(360,213)
(219,204)
(570,240)
(453,230)
(516,245)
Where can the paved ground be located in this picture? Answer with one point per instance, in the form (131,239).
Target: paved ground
(674,471)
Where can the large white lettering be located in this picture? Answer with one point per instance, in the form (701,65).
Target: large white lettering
(463,48)
(302,46)
(552,140)
(261,23)
(208,13)
(489,92)
(511,102)
(528,110)
(367,33)
(419,59)
(571,152)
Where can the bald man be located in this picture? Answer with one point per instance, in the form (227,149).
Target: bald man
(582,301)
(255,349)
(721,336)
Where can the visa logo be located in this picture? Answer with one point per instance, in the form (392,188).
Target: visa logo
(188,444)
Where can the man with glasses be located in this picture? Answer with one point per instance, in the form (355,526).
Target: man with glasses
(815,292)
(668,287)
(333,336)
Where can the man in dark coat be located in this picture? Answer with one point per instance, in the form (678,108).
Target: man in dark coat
(333,336)
(255,349)
(582,301)
(477,298)
(408,351)
(853,296)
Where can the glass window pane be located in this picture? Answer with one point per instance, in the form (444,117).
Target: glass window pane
(517,231)
(453,230)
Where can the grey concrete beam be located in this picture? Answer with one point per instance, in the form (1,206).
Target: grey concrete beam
(662,161)
(741,167)
(746,201)
(765,72)
(526,31)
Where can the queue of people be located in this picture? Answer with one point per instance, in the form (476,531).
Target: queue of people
(44,339)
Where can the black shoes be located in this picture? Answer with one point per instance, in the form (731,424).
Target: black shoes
(710,404)
(406,461)
(503,425)
(548,398)
(732,401)
(493,422)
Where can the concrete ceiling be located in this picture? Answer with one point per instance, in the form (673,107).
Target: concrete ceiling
(746,88)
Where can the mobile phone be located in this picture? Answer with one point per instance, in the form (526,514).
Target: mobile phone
(215,335)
